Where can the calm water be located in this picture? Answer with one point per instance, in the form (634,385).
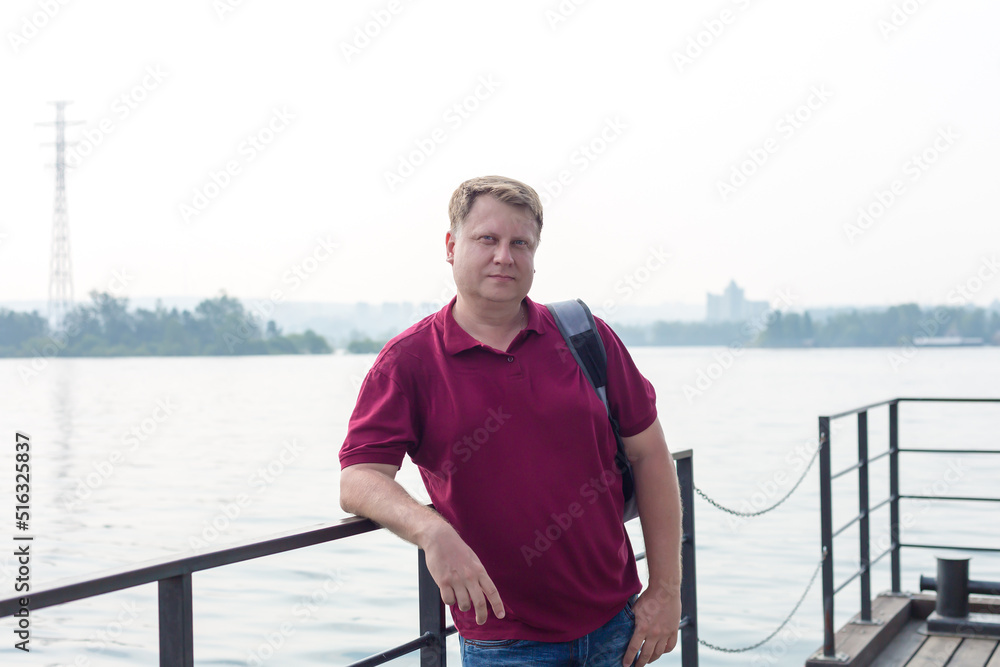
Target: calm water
(141,458)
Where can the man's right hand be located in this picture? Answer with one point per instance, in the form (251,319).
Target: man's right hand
(459,573)
(370,489)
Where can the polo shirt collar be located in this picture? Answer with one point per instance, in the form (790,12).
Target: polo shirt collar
(535,321)
(457,339)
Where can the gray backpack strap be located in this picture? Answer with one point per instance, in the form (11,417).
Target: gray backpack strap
(577,326)
(579,330)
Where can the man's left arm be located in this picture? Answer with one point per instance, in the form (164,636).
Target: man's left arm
(658,609)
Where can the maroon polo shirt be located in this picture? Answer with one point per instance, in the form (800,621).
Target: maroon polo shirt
(517,453)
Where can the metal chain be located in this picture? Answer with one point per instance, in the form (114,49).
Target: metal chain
(767,509)
(783,623)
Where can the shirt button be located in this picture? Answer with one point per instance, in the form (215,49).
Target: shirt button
(510,359)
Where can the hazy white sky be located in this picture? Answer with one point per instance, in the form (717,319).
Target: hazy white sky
(230,145)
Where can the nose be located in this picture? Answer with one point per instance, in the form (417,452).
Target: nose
(502,254)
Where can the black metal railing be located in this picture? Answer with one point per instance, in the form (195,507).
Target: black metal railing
(827,533)
(173,577)
(689,579)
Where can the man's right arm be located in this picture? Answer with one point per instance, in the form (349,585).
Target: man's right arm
(371,490)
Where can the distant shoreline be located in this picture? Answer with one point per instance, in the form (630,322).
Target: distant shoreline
(226,327)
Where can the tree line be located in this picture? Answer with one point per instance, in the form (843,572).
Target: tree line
(908,324)
(107,328)
(904,325)
(223,326)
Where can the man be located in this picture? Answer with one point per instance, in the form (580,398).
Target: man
(517,454)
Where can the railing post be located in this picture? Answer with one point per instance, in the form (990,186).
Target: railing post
(863,528)
(826,535)
(434,654)
(689,598)
(176,622)
(894,493)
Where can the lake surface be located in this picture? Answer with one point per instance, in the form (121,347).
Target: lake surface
(140,458)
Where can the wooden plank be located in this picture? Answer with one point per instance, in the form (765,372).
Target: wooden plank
(973,653)
(901,649)
(862,643)
(935,652)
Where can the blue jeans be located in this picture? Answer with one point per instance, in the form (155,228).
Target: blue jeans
(604,647)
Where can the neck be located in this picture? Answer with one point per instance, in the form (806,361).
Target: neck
(491,322)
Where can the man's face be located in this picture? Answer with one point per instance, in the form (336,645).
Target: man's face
(493,252)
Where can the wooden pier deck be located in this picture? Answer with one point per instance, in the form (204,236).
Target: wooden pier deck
(899,638)
(910,648)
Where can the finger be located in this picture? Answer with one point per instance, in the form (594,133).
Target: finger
(493,596)
(462,599)
(633,650)
(665,645)
(448,595)
(479,602)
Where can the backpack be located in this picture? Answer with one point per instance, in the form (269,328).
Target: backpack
(577,326)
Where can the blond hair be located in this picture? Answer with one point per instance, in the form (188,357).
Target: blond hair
(506,190)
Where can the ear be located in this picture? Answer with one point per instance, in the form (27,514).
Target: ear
(449,247)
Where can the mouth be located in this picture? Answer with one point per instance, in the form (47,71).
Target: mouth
(502,278)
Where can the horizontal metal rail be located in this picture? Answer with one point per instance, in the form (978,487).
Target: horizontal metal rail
(426,639)
(866,408)
(859,464)
(849,524)
(950,546)
(970,499)
(862,570)
(884,554)
(855,466)
(851,468)
(922,450)
(882,504)
(172,566)
(857,573)
(863,515)
(948,400)
(880,456)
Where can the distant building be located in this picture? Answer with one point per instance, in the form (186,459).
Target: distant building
(731,306)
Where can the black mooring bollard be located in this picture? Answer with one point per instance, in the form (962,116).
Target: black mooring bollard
(951,612)
(952,587)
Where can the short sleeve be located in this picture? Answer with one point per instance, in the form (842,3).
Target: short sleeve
(631,397)
(381,429)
